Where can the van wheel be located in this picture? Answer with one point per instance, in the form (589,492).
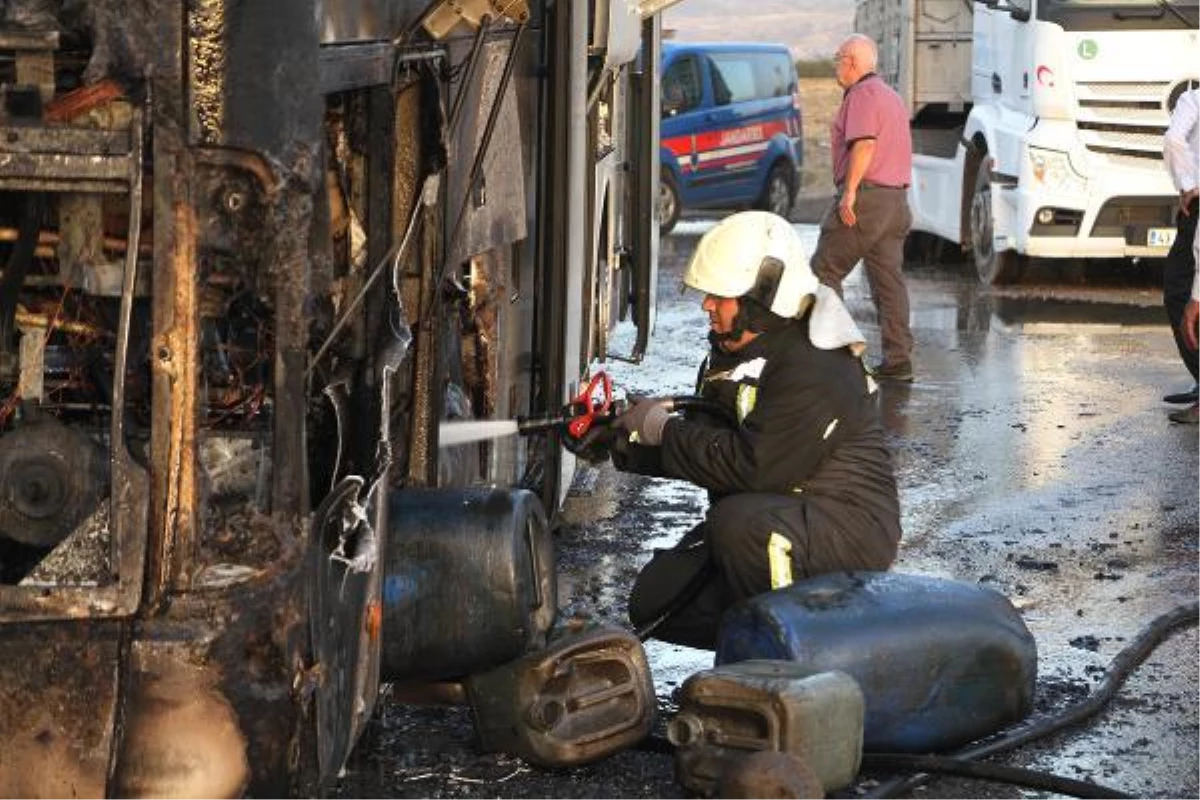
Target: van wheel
(777,192)
(994,268)
(668,204)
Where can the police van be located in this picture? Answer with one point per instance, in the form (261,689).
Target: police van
(730,130)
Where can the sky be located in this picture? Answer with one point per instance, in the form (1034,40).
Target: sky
(811,28)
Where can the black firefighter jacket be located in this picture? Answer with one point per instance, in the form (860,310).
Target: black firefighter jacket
(807,428)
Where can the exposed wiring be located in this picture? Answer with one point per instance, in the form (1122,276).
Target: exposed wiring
(481,153)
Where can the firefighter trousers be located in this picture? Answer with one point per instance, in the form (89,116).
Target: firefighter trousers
(748,544)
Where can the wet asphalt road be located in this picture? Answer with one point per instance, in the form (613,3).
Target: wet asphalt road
(1033,455)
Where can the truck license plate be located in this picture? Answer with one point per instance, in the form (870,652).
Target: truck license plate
(1160,237)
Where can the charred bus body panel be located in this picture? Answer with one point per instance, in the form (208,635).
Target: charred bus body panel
(253,254)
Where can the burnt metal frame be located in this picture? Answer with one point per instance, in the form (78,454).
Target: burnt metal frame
(102,161)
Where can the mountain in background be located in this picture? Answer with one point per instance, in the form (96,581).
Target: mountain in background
(811,28)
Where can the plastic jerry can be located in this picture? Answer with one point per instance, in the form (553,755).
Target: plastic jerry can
(767,705)
(768,773)
(586,696)
(468,582)
(940,663)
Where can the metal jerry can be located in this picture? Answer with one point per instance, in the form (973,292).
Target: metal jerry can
(469,581)
(735,709)
(940,663)
(586,696)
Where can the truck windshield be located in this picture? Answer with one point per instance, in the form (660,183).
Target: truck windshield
(1107,15)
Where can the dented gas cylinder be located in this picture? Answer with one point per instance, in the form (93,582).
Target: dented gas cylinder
(940,662)
(586,696)
(469,581)
(735,709)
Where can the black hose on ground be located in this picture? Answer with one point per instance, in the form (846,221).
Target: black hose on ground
(1122,665)
(1017,776)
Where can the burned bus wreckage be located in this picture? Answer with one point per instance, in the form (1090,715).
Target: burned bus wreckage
(253,254)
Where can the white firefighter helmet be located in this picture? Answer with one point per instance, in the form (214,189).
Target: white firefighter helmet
(756,254)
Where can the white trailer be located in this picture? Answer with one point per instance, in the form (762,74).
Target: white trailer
(1038,124)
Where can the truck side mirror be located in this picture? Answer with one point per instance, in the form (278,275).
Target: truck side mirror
(1020,13)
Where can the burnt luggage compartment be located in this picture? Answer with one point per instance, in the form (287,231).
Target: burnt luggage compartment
(151,435)
(252,254)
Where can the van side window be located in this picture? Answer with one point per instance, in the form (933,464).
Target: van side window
(732,78)
(681,88)
(774,75)
(738,77)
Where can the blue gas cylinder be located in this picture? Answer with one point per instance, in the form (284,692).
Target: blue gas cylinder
(940,662)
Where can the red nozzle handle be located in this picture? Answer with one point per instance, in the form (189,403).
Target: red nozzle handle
(596,406)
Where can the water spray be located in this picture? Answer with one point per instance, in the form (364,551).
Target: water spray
(592,407)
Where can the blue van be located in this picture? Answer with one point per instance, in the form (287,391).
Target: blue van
(730,130)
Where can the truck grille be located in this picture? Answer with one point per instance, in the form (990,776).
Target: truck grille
(1124,120)
(1131,218)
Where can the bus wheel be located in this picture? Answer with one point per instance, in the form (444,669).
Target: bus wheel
(668,204)
(994,267)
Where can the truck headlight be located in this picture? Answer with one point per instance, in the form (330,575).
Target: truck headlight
(1052,170)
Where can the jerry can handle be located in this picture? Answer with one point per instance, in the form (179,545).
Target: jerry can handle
(741,742)
(535,562)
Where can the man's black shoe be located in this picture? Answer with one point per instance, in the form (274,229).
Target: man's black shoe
(1186,416)
(1182,398)
(900,371)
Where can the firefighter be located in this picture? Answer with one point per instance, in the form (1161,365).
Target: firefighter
(789,447)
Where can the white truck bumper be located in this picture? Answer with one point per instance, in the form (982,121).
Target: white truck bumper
(1124,213)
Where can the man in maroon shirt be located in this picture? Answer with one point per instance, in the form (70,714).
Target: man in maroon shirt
(872,165)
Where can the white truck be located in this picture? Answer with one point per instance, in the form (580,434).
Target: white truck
(1038,124)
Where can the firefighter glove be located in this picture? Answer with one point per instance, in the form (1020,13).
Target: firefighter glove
(645,420)
(595,446)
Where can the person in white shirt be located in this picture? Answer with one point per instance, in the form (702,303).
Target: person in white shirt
(1181,283)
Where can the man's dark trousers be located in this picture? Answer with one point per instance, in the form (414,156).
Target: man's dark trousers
(878,239)
(1178,275)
